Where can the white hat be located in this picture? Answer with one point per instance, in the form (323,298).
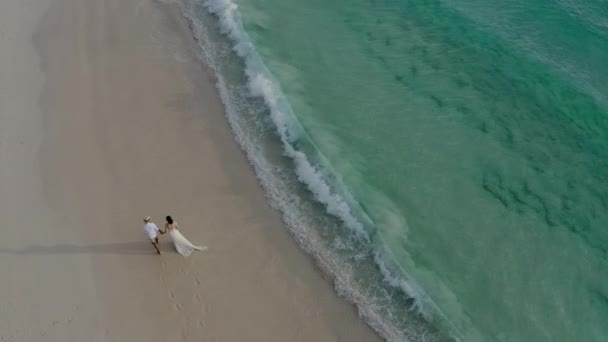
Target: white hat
(147,219)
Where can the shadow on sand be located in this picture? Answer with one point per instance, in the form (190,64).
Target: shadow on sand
(122,248)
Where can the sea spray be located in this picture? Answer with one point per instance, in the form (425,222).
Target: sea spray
(260,84)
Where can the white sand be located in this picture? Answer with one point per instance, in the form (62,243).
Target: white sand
(107,116)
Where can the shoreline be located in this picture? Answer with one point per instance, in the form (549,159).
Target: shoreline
(130,124)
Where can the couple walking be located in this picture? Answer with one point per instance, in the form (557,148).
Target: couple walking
(182,245)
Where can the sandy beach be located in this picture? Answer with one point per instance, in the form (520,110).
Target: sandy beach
(106,116)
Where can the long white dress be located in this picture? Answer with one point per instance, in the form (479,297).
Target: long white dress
(182,245)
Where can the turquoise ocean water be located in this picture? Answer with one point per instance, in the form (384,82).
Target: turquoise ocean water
(446,162)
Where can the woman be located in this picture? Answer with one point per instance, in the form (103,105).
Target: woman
(182,245)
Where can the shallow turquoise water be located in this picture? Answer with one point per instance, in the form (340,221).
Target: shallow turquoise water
(450,157)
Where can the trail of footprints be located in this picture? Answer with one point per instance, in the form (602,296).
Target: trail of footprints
(198,300)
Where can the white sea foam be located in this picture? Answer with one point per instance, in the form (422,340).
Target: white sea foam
(261,84)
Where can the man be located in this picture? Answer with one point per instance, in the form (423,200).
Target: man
(152,231)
